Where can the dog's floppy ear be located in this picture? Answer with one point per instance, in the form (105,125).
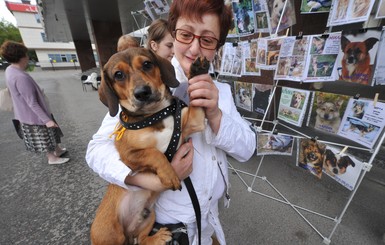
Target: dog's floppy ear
(107,94)
(167,71)
(370,43)
(344,42)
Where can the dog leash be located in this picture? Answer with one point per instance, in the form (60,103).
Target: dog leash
(174,109)
(171,149)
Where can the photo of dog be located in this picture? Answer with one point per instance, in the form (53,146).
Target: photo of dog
(321,65)
(310,156)
(281,12)
(261,97)
(360,8)
(360,127)
(272,57)
(279,143)
(342,8)
(243,95)
(335,164)
(138,81)
(359,109)
(343,168)
(328,111)
(356,60)
(297,100)
(261,59)
(261,20)
(317,45)
(283,67)
(316,5)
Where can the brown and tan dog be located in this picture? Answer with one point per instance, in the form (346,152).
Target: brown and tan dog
(311,156)
(356,60)
(138,80)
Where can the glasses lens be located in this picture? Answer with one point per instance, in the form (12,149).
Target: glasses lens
(184,36)
(208,42)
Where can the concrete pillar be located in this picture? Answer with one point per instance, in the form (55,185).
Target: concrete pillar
(85,54)
(106,35)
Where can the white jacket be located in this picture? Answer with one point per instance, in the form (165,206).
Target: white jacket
(210,169)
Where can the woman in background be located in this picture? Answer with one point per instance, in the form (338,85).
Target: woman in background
(40,131)
(160,40)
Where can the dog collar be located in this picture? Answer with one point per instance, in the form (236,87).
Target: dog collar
(175,109)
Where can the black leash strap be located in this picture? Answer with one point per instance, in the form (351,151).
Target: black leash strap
(171,149)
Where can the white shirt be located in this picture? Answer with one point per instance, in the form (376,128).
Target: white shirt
(210,170)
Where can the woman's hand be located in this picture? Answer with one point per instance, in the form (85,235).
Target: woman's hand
(51,124)
(183,159)
(204,93)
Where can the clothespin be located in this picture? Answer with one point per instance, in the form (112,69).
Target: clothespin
(260,35)
(343,150)
(375,99)
(357,96)
(314,139)
(287,32)
(325,35)
(235,44)
(275,131)
(300,35)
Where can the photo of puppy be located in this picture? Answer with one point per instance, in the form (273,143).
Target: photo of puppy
(335,164)
(310,156)
(328,115)
(272,57)
(261,59)
(358,109)
(315,5)
(297,100)
(261,20)
(356,60)
(279,11)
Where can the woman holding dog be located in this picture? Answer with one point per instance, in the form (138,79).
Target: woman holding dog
(160,40)
(39,130)
(199,29)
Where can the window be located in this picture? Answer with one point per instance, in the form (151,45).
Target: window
(62,57)
(43,36)
(37,18)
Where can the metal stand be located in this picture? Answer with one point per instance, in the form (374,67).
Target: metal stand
(284,200)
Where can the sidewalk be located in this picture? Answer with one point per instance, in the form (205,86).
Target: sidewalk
(43,204)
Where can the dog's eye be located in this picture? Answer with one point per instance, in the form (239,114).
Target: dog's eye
(147,65)
(119,76)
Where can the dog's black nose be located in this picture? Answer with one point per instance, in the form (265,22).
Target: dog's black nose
(142,93)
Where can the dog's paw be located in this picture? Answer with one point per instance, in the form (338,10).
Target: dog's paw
(200,66)
(161,237)
(169,179)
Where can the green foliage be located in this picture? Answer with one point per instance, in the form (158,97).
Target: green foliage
(9,32)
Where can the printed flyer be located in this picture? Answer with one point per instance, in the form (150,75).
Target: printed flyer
(349,11)
(243,95)
(249,55)
(363,121)
(343,168)
(292,57)
(274,144)
(323,52)
(292,105)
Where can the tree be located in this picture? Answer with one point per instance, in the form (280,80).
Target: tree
(10,32)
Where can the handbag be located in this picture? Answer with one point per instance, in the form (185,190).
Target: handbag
(179,233)
(6,103)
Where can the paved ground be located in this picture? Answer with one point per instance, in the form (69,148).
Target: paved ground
(42,204)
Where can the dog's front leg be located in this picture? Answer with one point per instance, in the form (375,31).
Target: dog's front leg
(152,160)
(193,120)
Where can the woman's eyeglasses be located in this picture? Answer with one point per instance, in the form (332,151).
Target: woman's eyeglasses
(186,37)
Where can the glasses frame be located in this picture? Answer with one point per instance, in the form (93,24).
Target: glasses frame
(196,37)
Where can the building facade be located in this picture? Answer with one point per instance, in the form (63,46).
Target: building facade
(51,55)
